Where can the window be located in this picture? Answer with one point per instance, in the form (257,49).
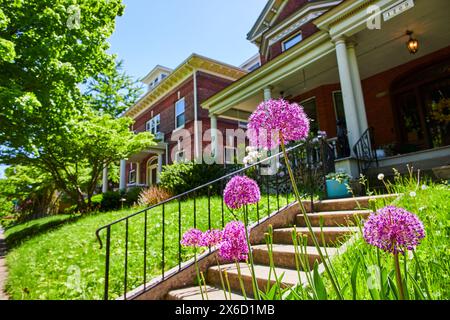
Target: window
(243,124)
(339,107)
(153,125)
(311,110)
(289,43)
(179,113)
(179,156)
(132,177)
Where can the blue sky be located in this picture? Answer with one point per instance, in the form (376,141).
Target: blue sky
(166,32)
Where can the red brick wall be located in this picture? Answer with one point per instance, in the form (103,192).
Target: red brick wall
(291,7)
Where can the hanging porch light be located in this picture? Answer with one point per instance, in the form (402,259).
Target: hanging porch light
(412,44)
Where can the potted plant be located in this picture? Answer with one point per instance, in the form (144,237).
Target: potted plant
(338,185)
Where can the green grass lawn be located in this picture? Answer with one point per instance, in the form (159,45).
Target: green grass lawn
(66,263)
(368,265)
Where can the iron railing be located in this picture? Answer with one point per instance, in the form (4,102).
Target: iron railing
(127,250)
(365,152)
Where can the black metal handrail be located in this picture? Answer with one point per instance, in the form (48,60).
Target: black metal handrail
(365,152)
(308,161)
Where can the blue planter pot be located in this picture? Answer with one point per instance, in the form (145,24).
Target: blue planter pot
(336,190)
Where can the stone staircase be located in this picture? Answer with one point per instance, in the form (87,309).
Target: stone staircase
(338,219)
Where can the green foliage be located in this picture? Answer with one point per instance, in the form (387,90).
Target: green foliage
(112,91)
(31,189)
(184,176)
(111,201)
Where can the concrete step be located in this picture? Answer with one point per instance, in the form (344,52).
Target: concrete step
(284,255)
(290,278)
(193,293)
(347,203)
(333,236)
(333,218)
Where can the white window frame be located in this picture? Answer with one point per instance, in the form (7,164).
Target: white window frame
(129,177)
(299,34)
(181,113)
(152,125)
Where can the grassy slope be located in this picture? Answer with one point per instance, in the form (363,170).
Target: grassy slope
(433,208)
(67,263)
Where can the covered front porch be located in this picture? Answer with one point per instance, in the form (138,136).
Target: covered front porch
(350,78)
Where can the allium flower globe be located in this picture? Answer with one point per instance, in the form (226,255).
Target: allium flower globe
(211,238)
(240,191)
(273,118)
(192,238)
(393,230)
(234,244)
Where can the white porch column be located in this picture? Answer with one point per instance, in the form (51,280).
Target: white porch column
(357,88)
(351,114)
(105,180)
(214,142)
(138,173)
(160,164)
(123,175)
(267,93)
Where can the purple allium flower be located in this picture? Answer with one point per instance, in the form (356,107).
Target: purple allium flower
(211,238)
(192,238)
(240,191)
(234,244)
(393,230)
(274,117)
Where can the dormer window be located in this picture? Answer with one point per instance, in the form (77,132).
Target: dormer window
(292,41)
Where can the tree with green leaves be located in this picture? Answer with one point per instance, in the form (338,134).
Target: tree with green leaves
(52,48)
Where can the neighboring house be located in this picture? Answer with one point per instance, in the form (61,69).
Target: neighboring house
(352,61)
(170,109)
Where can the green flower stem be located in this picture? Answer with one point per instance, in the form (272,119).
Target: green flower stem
(250,256)
(228,283)
(398,276)
(308,223)
(240,279)
(221,277)
(204,283)
(198,273)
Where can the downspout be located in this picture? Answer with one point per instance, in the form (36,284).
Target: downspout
(196,144)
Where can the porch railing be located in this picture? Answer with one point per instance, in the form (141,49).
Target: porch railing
(130,260)
(365,151)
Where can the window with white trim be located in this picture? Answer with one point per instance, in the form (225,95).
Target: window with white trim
(289,43)
(153,125)
(179,113)
(132,177)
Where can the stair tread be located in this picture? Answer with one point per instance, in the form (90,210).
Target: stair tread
(338,212)
(319,229)
(193,293)
(262,272)
(286,248)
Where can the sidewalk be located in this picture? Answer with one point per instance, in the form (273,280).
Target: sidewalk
(3,271)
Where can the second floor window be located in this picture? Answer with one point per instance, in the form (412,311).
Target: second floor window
(289,43)
(179,113)
(153,125)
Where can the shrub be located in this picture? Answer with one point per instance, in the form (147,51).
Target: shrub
(111,200)
(153,195)
(132,196)
(181,177)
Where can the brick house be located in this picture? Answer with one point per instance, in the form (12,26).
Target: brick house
(356,62)
(170,109)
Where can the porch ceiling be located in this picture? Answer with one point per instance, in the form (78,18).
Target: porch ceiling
(380,50)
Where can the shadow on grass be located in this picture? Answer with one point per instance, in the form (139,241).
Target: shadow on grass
(19,233)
